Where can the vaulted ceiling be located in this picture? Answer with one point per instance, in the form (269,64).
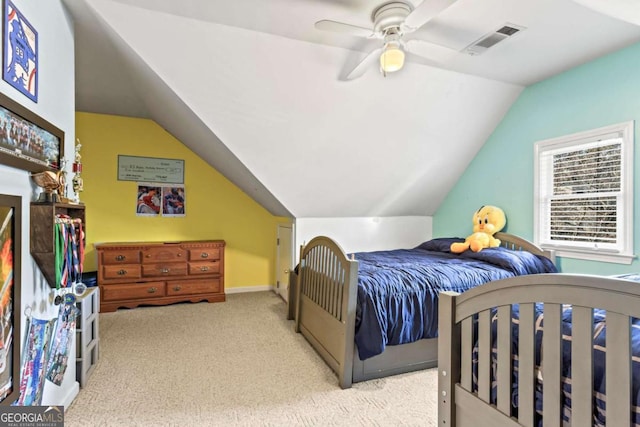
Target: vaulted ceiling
(259,93)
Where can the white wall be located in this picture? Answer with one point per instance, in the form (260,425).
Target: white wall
(56,105)
(364,234)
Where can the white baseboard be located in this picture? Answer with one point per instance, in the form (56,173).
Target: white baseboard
(53,397)
(249,289)
(71,395)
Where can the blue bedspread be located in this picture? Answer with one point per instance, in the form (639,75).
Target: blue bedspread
(599,362)
(398,289)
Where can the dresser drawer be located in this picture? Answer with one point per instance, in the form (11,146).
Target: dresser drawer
(124,271)
(124,256)
(204,268)
(201,254)
(165,253)
(128,291)
(158,273)
(164,269)
(190,287)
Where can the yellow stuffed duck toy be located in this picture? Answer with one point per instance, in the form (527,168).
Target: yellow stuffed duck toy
(487,221)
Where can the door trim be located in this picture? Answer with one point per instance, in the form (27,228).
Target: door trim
(283,292)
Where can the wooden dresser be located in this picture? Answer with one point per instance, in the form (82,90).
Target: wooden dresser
(158,273)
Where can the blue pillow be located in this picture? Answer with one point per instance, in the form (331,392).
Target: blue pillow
(442,244)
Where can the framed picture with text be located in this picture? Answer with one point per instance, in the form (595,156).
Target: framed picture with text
(20,45)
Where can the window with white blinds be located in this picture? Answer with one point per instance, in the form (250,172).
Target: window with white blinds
(583,194)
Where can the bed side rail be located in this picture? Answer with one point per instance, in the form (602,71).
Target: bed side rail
(466,333)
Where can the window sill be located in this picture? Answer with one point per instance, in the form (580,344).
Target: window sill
(592,255)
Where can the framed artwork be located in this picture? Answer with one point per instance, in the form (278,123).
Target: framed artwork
(20,52)
(150,169)
(173,201)
(10,250)
(155,199)
(149,201)
(27,141)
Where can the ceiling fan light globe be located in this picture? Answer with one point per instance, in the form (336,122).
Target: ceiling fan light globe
(391,59)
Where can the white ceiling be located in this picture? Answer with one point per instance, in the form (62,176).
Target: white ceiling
(254,89)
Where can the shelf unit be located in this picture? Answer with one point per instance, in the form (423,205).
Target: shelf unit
(87,334)
(43,220)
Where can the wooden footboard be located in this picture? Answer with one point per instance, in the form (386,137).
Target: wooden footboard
(465,394)
(326,304)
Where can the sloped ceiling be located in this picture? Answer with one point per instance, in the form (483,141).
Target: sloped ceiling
(255,90)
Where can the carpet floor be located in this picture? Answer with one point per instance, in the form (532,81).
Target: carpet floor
(236,363)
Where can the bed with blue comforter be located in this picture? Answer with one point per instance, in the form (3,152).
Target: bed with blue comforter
(398,289)
(374,314)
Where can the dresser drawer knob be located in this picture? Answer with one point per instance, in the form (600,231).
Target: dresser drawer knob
(120,258)
(177,288)
(204,255)
(205,268)
(152,290)
(122,272)
(165,270)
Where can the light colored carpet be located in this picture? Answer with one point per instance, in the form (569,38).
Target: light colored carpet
(237,363)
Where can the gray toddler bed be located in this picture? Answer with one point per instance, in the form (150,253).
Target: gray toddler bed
(323,302)
(546,349)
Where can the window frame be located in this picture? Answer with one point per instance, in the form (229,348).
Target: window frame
(624,253)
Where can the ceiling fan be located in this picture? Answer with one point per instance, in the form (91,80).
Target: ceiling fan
(391,22)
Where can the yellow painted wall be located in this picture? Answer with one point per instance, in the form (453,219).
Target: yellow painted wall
(215,208)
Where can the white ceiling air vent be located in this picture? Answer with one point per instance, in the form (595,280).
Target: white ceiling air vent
(492,38)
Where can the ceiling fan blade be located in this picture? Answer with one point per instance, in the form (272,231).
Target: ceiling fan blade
(422,14)
(432,51)
(340,27)
(364,65)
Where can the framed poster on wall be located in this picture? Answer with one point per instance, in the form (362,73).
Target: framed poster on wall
(10,250)
(173,201)
(20,46)
(149,200)
(27,141)
(150,169)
